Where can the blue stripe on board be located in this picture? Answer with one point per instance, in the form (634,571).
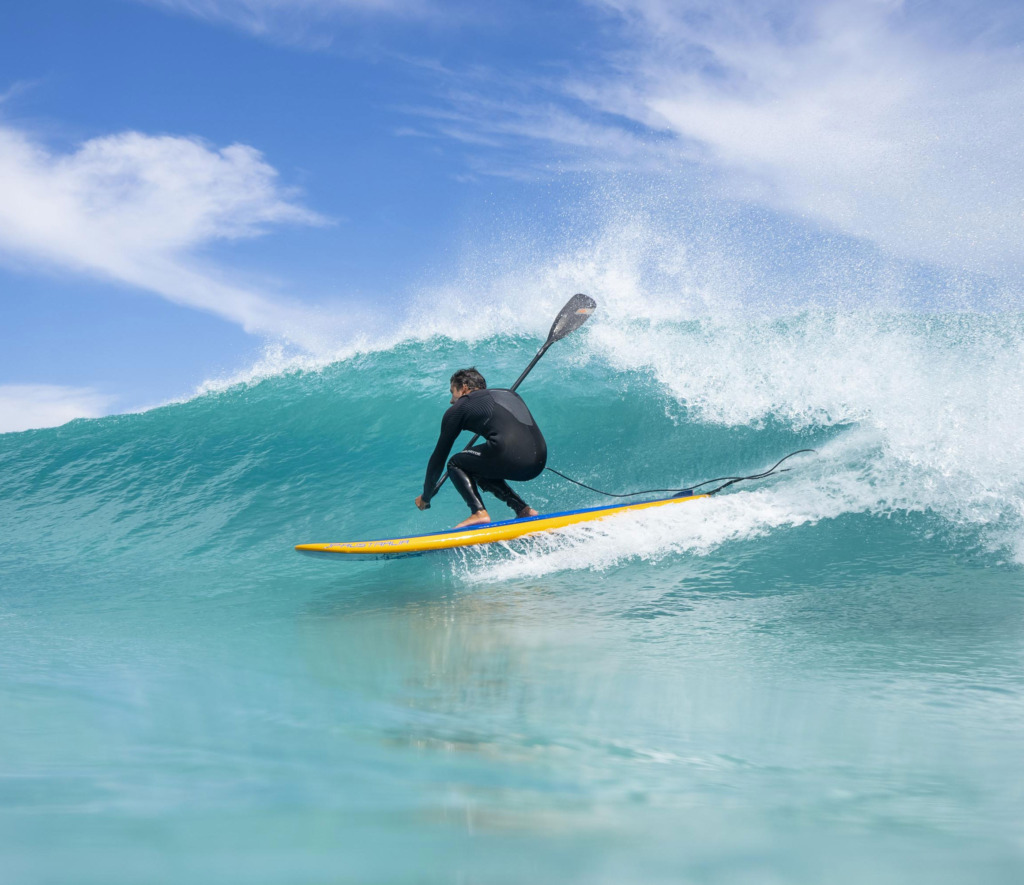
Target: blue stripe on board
(491,525)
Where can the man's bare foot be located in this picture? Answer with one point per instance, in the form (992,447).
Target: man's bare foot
(481,517)
(526,512)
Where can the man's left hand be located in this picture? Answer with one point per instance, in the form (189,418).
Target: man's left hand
(423,505)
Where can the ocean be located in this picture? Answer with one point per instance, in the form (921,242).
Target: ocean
(813,678)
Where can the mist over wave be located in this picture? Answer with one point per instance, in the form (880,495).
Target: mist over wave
(647,256)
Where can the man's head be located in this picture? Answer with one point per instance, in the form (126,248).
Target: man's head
(465,380)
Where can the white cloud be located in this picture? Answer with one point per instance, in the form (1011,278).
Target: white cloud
(27,406)
(857,113)
(136,209)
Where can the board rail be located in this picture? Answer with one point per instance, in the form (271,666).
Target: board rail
(488,533)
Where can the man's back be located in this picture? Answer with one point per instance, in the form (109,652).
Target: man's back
(499,416)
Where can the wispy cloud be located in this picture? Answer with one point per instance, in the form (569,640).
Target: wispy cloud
(28,406)
(17,88)
(895,124)
(292,20)
(501,119)
(136,209)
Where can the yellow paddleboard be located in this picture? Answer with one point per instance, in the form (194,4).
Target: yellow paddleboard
(386,548)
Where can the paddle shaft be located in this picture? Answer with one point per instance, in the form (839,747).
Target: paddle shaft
(519,380)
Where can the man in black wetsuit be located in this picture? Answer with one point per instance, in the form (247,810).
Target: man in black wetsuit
(515,448)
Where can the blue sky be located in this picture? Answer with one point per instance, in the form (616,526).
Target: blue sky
(183,182)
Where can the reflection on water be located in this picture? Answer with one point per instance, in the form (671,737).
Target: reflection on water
(799,711)
(824,709)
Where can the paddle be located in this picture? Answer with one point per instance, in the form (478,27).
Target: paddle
(575,313)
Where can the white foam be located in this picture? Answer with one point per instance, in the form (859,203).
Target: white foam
(823,489)
(936,403)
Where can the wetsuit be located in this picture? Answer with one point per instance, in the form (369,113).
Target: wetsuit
(515,448)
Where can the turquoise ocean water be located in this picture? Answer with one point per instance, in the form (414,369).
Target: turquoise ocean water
(815,678)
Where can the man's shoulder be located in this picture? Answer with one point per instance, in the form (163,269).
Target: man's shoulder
(455,409)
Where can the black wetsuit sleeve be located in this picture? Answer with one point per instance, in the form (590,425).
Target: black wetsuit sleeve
(451,427)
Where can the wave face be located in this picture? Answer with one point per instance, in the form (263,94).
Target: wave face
(917,415)
(181,681)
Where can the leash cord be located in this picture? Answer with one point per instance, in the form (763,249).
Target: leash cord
(725,480)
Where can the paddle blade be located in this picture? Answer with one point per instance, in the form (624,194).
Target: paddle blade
(571,317)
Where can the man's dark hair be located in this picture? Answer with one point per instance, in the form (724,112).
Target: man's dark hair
(470,378)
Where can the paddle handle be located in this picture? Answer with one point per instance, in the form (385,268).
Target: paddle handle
(526,371)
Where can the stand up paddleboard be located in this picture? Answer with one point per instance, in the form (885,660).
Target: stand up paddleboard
(488,533)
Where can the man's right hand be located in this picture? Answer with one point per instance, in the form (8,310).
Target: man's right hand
(423,505)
